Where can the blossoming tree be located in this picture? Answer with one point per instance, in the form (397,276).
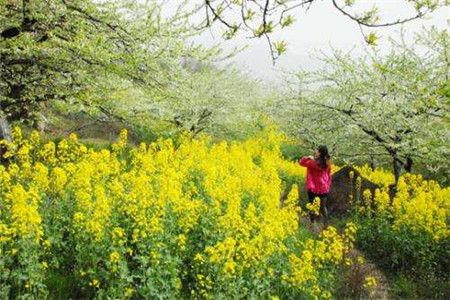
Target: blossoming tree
(81,52)
(393,105)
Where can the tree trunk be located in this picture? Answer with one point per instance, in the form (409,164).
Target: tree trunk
(393,187)
(5,134)
(408,165)
(5,129)
(372,163)
(397,168)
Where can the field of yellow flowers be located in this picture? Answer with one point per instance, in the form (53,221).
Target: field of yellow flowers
(197,220)
(192,220)
(408,234)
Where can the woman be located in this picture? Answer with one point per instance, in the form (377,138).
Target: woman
(318,178)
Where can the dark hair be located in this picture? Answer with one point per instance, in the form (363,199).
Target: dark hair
(324,157)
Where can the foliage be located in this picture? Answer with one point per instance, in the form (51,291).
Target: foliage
(224,103)
(84,53)
(119,62)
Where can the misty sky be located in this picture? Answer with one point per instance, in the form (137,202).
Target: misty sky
(320,28)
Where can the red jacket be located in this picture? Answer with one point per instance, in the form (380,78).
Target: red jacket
(318,180)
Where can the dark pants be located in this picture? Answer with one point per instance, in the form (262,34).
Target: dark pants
(323,206)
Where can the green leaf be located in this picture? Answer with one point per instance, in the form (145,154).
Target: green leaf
(371,39)
(280,47)
(349,2)
(287,21)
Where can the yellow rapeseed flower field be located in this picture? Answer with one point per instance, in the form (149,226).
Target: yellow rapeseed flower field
(195,220)
(199,220)
(409,231)
(419,205)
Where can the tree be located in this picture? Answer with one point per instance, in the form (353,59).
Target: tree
(222,102)
(260,18)
(394,105)
(66,50)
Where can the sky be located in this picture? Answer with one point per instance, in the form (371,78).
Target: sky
(319,29)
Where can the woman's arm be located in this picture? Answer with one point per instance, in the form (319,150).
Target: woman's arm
(307,161)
